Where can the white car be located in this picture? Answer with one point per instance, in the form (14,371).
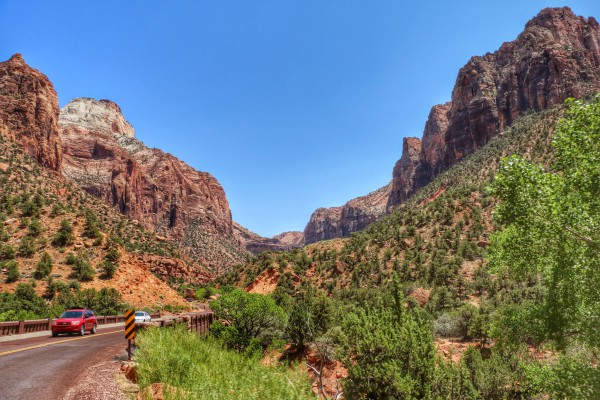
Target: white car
(142,316)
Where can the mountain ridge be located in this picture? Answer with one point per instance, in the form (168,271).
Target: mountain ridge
(555,57)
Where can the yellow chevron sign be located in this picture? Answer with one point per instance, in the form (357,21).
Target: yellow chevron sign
(129,324)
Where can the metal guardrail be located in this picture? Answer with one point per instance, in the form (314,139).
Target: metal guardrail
(39,325)
(198,322)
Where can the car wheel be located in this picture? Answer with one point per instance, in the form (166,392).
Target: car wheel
(82,331)
(94,328)
(54,334)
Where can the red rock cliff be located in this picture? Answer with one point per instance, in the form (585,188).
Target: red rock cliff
(166,195)
(557,56)
(334,222)
(29,111)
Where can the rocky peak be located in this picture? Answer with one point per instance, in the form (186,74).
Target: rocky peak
(96,116)
(164,194)
(29,111)
(17,60)
(405,169)
(557,56)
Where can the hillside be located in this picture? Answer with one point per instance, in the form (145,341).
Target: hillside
(37,211)
(436,239)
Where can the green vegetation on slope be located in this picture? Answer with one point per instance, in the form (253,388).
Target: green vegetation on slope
(201,369)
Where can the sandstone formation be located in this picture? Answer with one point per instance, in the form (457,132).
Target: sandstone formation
(29,111)
(334,222)
(556,57)
(102,155)
(257,244)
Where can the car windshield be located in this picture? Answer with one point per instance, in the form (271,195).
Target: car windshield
(72,314)
(139,314)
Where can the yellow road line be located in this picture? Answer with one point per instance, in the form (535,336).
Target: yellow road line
(59,341)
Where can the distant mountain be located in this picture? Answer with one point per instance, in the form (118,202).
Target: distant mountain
(357,214)
(557,56)
(257,244)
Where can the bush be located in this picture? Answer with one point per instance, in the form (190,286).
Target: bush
(109,269)
(448,325)
(204,293)
(44,266)
(64,236)
(7,252)
(311,315)
(12,268)
(82,269)
(35,227)
(27,246)
(70,259)
(91,227)
(254,320)
(389,352)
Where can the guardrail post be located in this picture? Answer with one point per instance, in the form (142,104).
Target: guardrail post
(49,323)
(21,328)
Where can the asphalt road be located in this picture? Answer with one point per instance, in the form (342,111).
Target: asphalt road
(44,367)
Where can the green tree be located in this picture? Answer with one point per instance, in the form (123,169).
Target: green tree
(389,352)
(44,266)
(253,321)
(7,252)
(27,246)
(35,227)
(82,269)
(551,221)
(109,269)
(310,316)
(12,268)
(91,227)
(64,236)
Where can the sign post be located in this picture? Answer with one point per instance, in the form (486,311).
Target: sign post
(129,329)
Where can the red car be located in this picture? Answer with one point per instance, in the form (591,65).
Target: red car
(75,320)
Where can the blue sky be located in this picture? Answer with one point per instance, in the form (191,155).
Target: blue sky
(291,105)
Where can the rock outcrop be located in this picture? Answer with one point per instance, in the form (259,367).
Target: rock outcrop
(257,244)
(335,222)
(29,111)
(102,155)
(557,56)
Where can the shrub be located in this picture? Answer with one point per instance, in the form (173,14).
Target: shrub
(70,259)
(389,353)
(27,246)
(35,227)
(44,266)
(91,226)
(82,269)
(12,268)
(7,252)
(254,320)
(109,269)
(311,315)
(64,236)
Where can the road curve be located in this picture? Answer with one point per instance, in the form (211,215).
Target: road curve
(47,367)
